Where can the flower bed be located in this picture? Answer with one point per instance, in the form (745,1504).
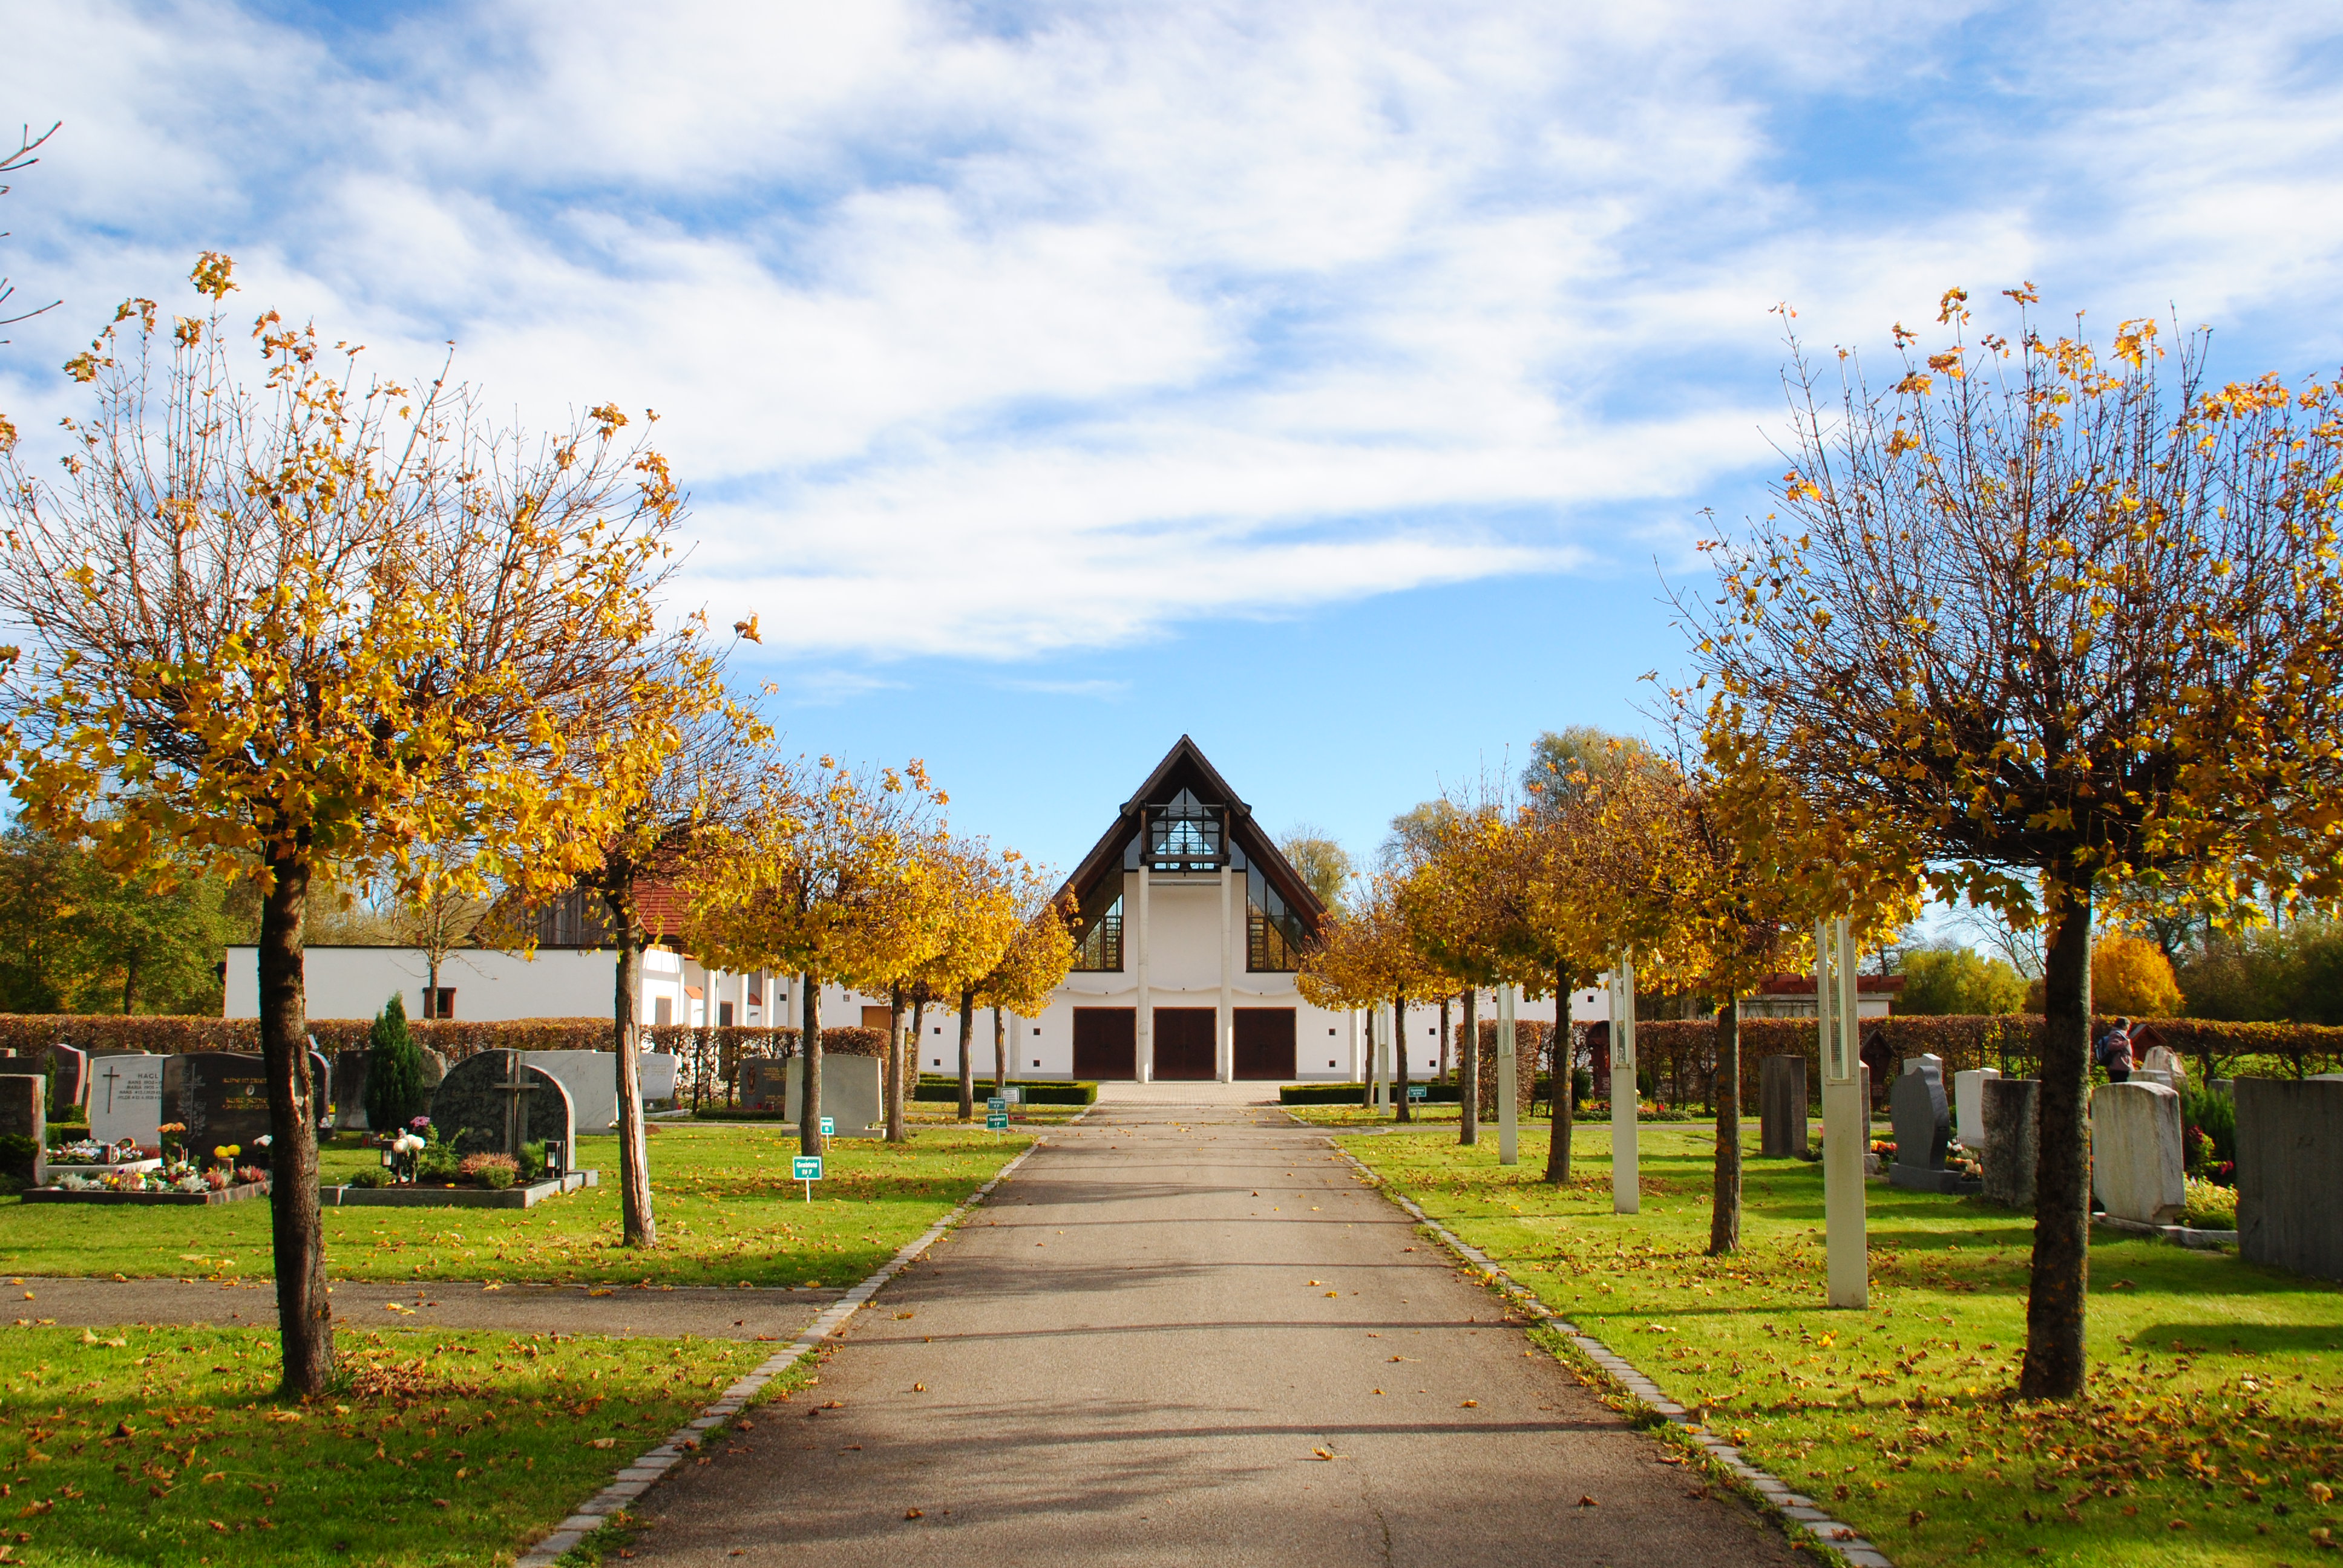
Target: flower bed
(154,1184)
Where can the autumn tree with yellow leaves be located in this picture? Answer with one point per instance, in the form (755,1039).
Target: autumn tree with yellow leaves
(2060,618)
(824,872)
(1369,957)
(291,624)
(1022,981)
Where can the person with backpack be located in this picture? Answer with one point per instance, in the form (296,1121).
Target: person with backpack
(2114,1051)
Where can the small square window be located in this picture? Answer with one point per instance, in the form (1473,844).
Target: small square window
(1330,1031)
(1037,1061)
(938,1030)
(939,1062)
(1037,1033)
(1330,1062)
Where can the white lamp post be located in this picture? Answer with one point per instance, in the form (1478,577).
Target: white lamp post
(1626,1189)
(1847,1129)
(1509,1114)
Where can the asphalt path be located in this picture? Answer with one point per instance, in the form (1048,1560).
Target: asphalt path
(1189,1337)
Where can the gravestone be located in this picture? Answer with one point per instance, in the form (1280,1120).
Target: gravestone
(1877,1057)
(2138,1172)
(494,1101)
(25,1113)
(126,1101)
(850,1093)
(349,1090)
(2290,1174)
(69,1083)
(220,1096)
(2161,1065)
(764,1085)
(1923,1129)
(435,1066)
(321,1082)
(658,1074)
(1782,1107)
(591,1077)
(1968,1105)
(2011,1113)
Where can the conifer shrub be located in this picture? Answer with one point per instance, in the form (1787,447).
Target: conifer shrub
(394,1093)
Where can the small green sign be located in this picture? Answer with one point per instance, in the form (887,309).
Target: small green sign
(1419,1092)
(996,1105)
(997,1121)
(806,1168)
(829,1130)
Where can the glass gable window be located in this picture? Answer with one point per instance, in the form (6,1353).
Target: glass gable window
(1273,932)
(1184,836)
(1098,942)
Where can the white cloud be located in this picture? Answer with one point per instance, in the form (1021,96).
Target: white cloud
(1059,333)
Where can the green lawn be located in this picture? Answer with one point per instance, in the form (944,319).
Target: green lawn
(727,1213)
(149,1446)
(2213,1433)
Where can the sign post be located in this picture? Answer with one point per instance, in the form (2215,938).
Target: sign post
(1625,1184)
(1509,1107)
(807,1168)
(1846,1130)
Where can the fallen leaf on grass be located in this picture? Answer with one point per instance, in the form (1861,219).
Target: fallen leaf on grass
(601,1442)
(32,1509)
(216,1525)
(283,1415)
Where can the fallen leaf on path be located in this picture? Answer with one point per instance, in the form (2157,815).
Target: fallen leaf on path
(1588,1503)
(913,1513)
(1469,1405)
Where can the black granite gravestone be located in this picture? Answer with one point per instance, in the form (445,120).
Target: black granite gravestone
(1923,1129)
(69,1079)
(764,1083)
(24,1115)
(349,1090)
(1782,1107)
(494,1103)
(2010,1120)
(221,1098)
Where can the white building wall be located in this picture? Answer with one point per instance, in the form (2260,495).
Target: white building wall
(490,985)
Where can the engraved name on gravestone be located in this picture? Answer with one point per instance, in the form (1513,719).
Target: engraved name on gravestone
(763,1085)
(220,1096)
(126,1099)
(495,1102)
(69,1085)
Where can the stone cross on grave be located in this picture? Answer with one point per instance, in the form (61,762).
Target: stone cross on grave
(110,1075)
(516,1084)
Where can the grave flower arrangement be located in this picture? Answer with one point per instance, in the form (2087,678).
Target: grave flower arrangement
(1957,1157)
(90,1151)
(173,1135)
(179,1178)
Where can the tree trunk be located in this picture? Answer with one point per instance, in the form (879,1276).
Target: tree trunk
(1565,1085)
(967,1055)
(1000,1054)
(1468,1071)
(1444,1040)
(1724,1214)
(2062,1207)
(1399,1057)
(430,985)
(637,1227)
(810,1069)
(304,1312)
(894,1075)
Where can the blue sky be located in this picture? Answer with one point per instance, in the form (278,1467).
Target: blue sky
(1334,382)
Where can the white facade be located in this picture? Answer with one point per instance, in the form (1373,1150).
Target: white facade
(490,985)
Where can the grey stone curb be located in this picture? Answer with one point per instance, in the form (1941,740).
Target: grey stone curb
(1797,1510)
(653,1464)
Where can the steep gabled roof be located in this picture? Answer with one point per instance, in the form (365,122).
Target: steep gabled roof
(1185,766)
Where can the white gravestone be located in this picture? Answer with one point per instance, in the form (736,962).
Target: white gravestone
(591,1077)
(2137,1170)
(1968,1106)
(126,1099)
(2162,1065)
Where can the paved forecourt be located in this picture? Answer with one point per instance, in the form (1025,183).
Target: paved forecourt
(1188,1337)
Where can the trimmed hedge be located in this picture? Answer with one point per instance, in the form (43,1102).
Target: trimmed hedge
(935,1089)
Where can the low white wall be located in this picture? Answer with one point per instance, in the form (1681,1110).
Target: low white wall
(490,985)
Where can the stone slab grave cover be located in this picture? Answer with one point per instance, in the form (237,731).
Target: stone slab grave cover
(69,1082)
(221,1098)
(25,1113)
(126,1099)
(1968,1106)
(850,1093)
(2012,1117)
(2137,1169)
(1924,1130)
(659,1068)
(1782,1107)
(495,1102)
(349,1090)
(2290,1174)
